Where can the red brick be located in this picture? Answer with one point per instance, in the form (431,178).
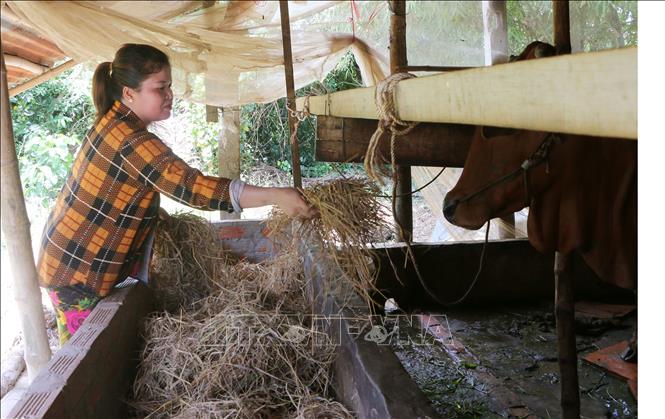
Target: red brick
(231,232)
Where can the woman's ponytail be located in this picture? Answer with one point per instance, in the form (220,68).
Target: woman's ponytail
(103,89)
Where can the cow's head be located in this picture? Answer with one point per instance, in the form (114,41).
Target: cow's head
(503,170)
(491,184)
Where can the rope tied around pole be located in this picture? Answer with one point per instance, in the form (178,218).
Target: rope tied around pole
(299,117)
(384,97)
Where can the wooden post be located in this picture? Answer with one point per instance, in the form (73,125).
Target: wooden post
(290,91)
(561,18)
(495,31)
(564,295)
(16,227)
(398,59)
(229,150)
(564,310)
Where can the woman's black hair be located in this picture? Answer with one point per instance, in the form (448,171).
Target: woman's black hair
(132,64)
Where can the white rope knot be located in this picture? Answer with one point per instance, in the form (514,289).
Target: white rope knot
(384,97)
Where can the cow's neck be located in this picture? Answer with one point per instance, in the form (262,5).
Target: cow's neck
(589,207)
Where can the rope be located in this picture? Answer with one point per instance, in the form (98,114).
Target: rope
(416,190)
(384,96)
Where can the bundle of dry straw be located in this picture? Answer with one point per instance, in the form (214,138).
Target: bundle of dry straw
(240,345)
(350,220)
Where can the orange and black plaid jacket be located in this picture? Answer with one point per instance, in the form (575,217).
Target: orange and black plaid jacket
(110,202)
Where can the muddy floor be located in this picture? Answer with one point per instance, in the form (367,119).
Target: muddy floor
(509,356)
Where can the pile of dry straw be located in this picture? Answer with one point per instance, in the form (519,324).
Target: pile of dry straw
(234,339)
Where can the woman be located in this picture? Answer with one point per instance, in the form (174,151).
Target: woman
(109,204)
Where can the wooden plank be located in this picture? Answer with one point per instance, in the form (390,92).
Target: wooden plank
(346,140)
(592,94)
(513,272)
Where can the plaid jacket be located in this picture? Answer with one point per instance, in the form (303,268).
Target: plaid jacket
(110,202)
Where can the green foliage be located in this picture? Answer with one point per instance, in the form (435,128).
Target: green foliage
(264,127)
(58,106)
(44,161)
(50,121)
(594,25)
(202,136)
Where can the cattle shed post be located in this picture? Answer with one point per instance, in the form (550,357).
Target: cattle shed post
(561,16)
(398,59)
(290,91)
(564,311)
(229,150)
(564,307)
(16,227)
(495,33)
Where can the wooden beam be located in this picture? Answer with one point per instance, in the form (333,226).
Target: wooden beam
(398,58)
(428,144)
(16,228)
(42,78)
(593,94)
(290,91)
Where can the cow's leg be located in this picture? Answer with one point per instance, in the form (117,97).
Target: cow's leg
(565,327)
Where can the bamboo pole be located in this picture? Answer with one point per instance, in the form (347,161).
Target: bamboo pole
(16,227)
(290,91)
(594,93)
(398,58)
(431,68)
(42,78)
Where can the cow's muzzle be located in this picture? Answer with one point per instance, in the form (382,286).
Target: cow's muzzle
(449,207)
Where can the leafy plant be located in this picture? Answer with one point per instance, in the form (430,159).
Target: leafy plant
(264,127)
(44,161)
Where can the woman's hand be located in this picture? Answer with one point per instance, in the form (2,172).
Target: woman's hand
(291,201)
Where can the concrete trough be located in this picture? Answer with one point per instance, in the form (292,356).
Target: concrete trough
(90,377)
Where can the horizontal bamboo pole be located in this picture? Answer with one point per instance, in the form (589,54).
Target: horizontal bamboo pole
(41,78)
(588,93)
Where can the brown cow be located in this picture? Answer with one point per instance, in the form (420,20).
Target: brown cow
(582,196)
